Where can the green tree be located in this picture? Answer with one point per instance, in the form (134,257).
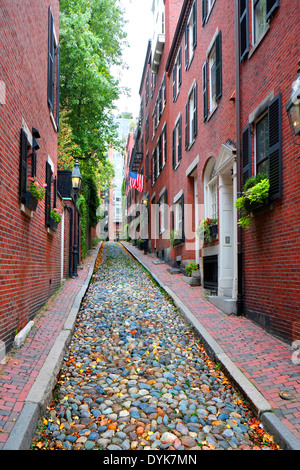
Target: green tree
(91,42)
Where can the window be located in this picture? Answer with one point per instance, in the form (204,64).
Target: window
(53,70)
(177,142)
(177,74)
(262,12)
(268,147)
(206,9)
(259,18)
(153,83)
(178,220)
(154,166)
(163,212)
(191,35)
(212,77)
(164,145)
(191,117)
(210,191)
(262,145)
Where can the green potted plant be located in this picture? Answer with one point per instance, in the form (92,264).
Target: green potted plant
(34,194)
(208,229)
(55,218)
(255,195)
(191,266)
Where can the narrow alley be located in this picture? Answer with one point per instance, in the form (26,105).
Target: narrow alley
(136,376)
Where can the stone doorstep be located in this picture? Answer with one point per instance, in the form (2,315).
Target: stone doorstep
(174,271)
(226,304)
(192,281)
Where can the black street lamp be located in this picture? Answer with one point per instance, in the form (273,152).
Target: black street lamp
(76,185)
(293,107)
(145,220)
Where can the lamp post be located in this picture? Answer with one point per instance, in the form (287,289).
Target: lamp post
(145,220)
(293,108)
(76,185)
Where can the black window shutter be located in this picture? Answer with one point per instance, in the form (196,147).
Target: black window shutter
(155,164)
(54,192)
(173,148)
(186,50)
(186,124)
(244,28)
(194,24)
(57,86)
(165,142)
(204,11)
(164,90)
(275,148)
(179,66)
(195,124)
(33,164)
(180,139)
(219,66)
(48,192)
(51,71)
(246,153)
(205,95)
(271,6)
(160,152)
(23,164)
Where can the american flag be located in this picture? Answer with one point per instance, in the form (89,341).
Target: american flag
(136,181)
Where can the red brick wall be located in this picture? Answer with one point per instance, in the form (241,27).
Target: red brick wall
(29,256)
(271,259)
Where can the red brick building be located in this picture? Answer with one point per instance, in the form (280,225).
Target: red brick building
(34,252)
(215,75)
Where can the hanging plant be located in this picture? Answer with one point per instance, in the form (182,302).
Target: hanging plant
(255,194)
(207,230)
(56,215)
(37,193)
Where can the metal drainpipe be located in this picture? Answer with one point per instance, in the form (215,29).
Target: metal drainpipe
(70,240)
(238,152)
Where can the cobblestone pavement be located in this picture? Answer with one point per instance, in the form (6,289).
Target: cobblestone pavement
(136,376)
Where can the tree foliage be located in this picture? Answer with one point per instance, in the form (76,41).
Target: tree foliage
(91,41)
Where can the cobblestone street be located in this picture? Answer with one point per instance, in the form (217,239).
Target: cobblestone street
(136,376)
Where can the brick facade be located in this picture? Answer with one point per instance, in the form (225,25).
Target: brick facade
(30,252)
(254,269)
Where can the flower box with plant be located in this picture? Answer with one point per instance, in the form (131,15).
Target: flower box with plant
(34,194)
(208,230)
(55,219)
(190,267)
(255,195)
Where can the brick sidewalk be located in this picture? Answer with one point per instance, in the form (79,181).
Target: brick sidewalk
(22,366)
(265,360)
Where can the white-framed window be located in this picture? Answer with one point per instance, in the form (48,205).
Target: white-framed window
(177,142)
(163,213)
(163,145)
(191,117)
(191,35)
(259,15)
(177,74)
(207,6)
(212,76)
(210,191)
(53,71)
(178,218)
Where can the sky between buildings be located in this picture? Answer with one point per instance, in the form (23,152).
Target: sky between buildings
(139,30)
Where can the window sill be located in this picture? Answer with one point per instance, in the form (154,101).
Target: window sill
(26,211)
(258,42)
(211,113)
(176,166)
